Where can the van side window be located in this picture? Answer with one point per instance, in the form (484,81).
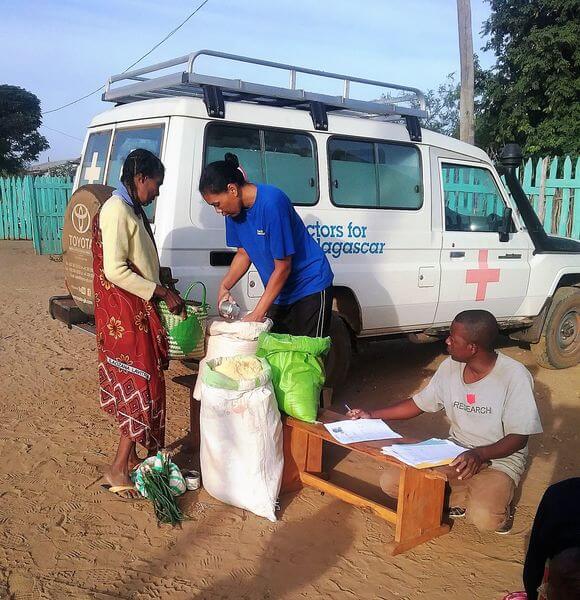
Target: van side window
(472,199)
(281,158)
(375,175)
(244,142)
(124,142)
(93,166)
(289,165)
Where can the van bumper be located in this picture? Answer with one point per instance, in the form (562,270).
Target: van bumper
(64,309)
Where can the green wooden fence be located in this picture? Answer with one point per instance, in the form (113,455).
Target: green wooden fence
(32,208)
(554,190)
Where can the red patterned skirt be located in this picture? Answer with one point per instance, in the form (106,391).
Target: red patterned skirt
(132,346)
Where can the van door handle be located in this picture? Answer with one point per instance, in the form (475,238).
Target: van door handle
(456,254)
(510,256)
(222,258)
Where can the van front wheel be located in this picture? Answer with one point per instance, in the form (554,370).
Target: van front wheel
(340,354)
(559,345)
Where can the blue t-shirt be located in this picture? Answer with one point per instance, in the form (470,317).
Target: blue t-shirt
(271,229)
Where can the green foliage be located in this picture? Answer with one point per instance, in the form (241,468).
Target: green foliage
(443,107)
(20,117)
(531,94)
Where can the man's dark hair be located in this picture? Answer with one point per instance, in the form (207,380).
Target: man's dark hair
(564,575)
(481,327)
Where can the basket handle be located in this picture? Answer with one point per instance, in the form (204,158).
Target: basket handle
(203,294)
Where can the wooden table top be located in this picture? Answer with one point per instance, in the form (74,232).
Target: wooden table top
(371,449)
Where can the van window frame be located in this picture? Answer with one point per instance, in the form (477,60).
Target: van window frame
(374,141)
(260,128)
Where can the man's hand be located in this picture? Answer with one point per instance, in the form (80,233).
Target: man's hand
(467,464)
(254,317)
(357,413)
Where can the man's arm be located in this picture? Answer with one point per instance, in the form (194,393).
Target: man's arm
(469,463)
(274,286)
(400,411)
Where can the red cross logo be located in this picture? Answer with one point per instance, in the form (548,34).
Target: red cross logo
(482,276)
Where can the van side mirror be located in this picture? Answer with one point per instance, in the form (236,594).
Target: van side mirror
(505,226)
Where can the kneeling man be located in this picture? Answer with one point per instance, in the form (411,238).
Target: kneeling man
(489,399)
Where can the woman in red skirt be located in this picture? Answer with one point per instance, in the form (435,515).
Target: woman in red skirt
(131,341)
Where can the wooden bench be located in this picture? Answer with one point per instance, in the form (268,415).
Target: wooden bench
(421,491)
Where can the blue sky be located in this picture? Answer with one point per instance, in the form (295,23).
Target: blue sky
(62,49)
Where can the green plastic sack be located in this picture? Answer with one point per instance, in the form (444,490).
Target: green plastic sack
(297,371)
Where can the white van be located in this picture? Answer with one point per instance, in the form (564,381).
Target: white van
(417,226)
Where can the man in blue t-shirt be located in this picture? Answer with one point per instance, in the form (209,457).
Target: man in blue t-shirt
(267,231)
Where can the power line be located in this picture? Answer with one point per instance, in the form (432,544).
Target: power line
(62,133)
(168,35)
(135,63)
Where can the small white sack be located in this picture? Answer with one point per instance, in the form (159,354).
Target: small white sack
(229,338)
(242,456)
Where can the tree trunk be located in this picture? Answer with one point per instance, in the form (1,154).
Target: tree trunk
(466,119)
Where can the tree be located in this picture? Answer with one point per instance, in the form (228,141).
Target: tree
(531,93)
(20,117)
(443,104)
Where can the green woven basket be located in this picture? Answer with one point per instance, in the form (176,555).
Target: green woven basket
(194,309)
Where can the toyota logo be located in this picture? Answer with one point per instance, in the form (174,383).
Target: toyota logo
(81,218)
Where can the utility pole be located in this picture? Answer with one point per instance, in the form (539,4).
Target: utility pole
(466,118)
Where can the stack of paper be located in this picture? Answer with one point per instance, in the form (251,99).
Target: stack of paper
(430,453)
(360,430)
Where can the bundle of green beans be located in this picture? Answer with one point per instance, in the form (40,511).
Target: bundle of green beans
(158,491)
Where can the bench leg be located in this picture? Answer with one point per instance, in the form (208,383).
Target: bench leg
(302,453)
(419,510)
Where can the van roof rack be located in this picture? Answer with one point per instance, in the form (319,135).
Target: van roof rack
(215,90)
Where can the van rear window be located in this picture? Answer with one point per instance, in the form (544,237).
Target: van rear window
(281,158)
(124,142)
(93,167)
(127,140)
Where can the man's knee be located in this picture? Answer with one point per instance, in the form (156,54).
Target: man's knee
(485,518)
(489,499)
(389,482)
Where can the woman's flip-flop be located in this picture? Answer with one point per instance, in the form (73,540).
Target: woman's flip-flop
(118,491)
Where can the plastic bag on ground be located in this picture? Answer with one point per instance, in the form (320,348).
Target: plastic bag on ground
(176,481)
(241,453)
(297,371)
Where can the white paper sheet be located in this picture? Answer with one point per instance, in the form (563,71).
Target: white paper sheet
(360,430)
(429,453)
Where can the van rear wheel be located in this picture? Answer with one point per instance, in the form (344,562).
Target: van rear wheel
(559,345)
(340,354)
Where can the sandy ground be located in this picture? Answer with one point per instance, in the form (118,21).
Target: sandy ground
(62,537)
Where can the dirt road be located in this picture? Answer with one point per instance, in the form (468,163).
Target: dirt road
(62,537)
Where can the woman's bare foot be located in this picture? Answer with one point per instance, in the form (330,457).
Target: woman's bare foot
(115,478)
(134,460)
